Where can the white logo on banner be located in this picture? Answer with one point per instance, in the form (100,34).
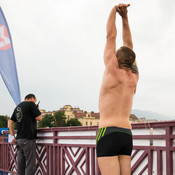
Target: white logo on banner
(4,38)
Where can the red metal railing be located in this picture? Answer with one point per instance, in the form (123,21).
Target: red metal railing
(154,148)
(72,150)
(59,151)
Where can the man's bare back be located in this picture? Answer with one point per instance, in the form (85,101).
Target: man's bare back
(116,96)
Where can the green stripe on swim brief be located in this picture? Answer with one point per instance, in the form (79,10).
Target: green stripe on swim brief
(104,132)
(100,133)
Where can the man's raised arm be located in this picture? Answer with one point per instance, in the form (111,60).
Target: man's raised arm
(127,39)
(111,36)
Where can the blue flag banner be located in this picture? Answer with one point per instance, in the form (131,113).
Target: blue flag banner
(7,61)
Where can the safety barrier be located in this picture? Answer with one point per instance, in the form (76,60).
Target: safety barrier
(154,148)
(71,150)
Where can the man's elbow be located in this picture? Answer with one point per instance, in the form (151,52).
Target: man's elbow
(39,118)
(111,36)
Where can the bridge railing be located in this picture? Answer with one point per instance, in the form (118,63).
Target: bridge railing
(72,150)
(154,148)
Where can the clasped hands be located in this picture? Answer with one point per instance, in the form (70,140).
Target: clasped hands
(122,9)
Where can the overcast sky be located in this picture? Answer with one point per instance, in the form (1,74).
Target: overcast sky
(59,48)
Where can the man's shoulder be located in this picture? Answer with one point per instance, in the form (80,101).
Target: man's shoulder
(112,66)
(110,60)
(19,105)
(26,104)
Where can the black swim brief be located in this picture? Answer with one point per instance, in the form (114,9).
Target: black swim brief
(114,141)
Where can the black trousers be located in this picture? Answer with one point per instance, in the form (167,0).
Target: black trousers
(26,156)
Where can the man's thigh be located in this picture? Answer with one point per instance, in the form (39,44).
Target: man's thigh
(125,164)
(20,158)
(30,156)
(30,152)
(109,165)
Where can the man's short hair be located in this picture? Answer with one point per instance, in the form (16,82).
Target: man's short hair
(29,96)
(126,57)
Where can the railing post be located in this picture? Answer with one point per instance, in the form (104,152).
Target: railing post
(159,162)
(150,162)
(169,159)
(54,152)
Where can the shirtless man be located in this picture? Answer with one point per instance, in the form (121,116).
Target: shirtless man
(114,138)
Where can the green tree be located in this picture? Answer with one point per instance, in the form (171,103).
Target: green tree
(47,121)
(3,121)
(73,122)
(59,119)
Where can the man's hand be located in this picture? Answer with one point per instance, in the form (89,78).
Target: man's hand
(14,140)
(122,9)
